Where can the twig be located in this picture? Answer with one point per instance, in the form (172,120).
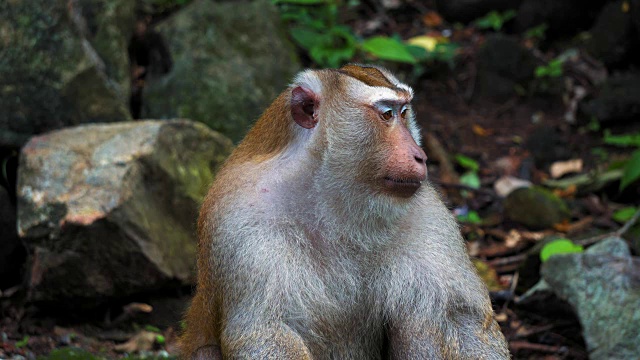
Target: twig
(465,187)
(507,260)
(617,233)
(525,345)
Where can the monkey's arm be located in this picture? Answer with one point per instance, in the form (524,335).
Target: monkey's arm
(252,286)
(439,307)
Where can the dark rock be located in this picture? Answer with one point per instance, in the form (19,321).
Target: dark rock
(613,38)
(468,10)
(110,210)
(12,252)
(50,75)
(228,65)
(617,100)
(563,17)
(503,64)
(603,286)
(635,15)
(535,208)
(546,146)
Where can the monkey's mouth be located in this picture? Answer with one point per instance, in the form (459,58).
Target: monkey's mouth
(402,187)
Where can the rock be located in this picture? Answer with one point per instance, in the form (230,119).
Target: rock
(503,64)
(468,10)
(110,210)
(618,100)
(108,25)
(613,37)
(228,65)
(603,286)
(535,208)
(563,17)
(546,146)
(12,252)
(50,75)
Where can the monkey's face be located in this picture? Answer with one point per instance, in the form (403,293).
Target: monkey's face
(375,133)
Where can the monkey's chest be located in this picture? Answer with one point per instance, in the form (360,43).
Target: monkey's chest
(338,314)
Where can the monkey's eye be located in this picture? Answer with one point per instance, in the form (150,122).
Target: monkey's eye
(404,113)
(387,115)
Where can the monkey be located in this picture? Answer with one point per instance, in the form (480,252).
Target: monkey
(321,237)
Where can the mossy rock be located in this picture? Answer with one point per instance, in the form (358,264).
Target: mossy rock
(535,208)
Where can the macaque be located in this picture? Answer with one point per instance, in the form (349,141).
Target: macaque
(322,239)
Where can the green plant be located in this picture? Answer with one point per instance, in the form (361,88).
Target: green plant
(537,32)
(315,28)
(495,20)
(631,168)
(471,217)
(559,246)
(22,343)
(552,69)
(625,214)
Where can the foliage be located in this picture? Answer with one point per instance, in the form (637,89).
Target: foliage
(624,214)
(559,246)
(467,162)
(537,32)
(625,140)
(22,343)
(631,168)
(495,20)
(152,328)
(470,217)
(552,69)
(387,48)
(315,27)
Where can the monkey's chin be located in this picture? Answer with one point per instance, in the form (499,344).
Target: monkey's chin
(403,188)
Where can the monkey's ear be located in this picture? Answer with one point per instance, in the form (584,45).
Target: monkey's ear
(303,107)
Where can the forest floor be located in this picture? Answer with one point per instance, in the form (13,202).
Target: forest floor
(521,136)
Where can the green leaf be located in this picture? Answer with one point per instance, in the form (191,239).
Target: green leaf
(622,140)
(467,162)
(22,343)
(624,214)
(559,246)
(631,171)
(160,340)
(495,20)
(537,32)
(471,217)
(387,48)
(152,328)
(470,179)
(306,38)
(299,2)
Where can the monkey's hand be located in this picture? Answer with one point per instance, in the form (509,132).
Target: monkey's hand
(263,341)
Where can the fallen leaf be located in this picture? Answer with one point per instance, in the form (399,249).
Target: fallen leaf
(480,131)
(432,19)
(506,184)
(513,238)
(426,42)
(560,168)
(142,341)
(569,192)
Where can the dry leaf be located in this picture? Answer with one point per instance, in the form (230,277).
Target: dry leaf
(432,19)
(480,131)
(142,341)
(426,42)
(560,168)
(506,184)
